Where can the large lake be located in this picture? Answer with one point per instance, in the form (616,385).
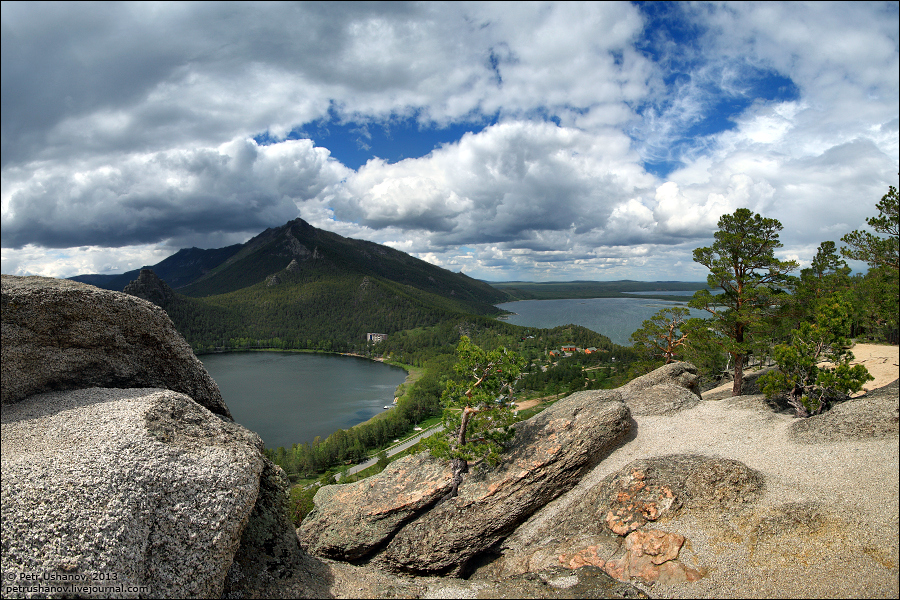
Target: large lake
(616,318)
(292,397)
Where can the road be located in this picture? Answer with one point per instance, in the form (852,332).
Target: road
(393,450)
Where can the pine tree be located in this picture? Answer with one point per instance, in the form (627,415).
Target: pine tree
(478,414)
(742,263)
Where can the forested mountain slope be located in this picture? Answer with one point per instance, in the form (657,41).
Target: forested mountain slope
(322,254)
(314,309)
(311,255)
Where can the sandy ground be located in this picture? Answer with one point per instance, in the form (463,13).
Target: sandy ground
(826,525)
(530,403)
(882,361)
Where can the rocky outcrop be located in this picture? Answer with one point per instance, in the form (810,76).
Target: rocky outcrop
(874,416)
(151,288)
(667,390)
(142,483)
(351,521)
(591,529)
(401,515)
(61,335)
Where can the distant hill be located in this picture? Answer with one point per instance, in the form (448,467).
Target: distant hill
(318,253)
(183,267)
(555,290)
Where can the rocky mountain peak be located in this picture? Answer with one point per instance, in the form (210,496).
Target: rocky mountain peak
(150,287)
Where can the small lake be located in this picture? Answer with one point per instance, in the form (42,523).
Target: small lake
(616,318)
(292,397)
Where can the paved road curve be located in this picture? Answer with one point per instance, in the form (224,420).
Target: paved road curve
(393,450)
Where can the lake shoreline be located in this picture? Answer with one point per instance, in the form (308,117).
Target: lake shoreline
(411,375)
(311,391)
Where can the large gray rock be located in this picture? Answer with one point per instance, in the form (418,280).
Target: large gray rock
(60,334)
(404,506)
(667,390)
(145,484)
(873,416)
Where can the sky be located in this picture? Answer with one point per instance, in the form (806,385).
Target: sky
(510,141)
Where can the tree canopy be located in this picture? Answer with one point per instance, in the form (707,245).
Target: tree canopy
(876,250)
(479,404)
(742,263)
(662,334)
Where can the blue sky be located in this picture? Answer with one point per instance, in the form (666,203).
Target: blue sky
(529,141)
(354,143)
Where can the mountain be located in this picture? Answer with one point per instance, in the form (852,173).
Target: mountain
(180,269)
(318,253)
(297,286)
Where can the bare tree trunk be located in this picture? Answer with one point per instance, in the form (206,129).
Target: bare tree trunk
(460,466)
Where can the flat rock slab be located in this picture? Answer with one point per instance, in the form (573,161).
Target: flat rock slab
(144,484)
(60,334)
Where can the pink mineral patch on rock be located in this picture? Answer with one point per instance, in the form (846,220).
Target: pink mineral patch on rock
(582,558)
(652,556)
(639,503)
(659,545)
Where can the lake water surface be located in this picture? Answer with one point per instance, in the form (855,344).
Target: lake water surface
(616,318)
(292,397)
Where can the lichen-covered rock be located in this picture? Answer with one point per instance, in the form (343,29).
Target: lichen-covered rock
(351,520)
(668,389)
(649,489)
(404,506)
(145,484)
(642,492)
(60,334)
